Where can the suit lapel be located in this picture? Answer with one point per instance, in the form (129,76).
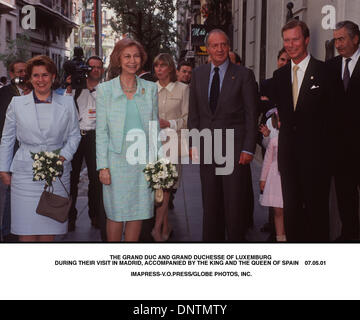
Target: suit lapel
(141,104)
(57,111)
(356,72)
(308,81)
(286,84)
(32,112)
(228,81)
(205,87)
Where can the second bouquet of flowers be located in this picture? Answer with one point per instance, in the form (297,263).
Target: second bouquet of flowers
(161,175)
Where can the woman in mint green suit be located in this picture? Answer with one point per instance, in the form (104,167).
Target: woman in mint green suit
(126,140)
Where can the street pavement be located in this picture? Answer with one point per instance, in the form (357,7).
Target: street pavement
(186,217)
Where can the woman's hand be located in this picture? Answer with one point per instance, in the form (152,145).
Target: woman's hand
(62,159)
(262,185)
(164,124)
(105,177)
(5,178)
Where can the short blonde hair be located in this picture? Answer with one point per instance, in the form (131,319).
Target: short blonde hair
(169,61)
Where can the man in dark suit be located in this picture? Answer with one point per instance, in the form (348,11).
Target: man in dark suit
(16,69)
(346,67)
(303,97)
(224,96)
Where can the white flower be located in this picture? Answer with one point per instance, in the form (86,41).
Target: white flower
(42,158)
(59,163)
(51,170)
(37,178)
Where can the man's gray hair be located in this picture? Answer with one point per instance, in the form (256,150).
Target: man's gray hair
(351,27)
(216,31)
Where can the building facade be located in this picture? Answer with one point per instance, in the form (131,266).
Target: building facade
(258,23)
(48,31)
(195,19)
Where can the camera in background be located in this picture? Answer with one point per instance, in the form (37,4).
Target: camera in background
(77,69)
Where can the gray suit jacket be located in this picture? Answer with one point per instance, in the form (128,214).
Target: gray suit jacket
(237,106)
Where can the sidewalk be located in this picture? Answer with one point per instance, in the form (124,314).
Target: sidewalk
(186,218)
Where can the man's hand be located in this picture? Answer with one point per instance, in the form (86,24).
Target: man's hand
(105,177)
(5,177)
(262,185)
(245,158)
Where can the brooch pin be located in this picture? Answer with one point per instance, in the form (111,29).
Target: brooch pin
(142,91)
(312,78)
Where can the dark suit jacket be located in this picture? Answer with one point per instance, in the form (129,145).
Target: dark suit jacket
(305,134)
(267,90)
(236,109)
(6,94)
(347,111)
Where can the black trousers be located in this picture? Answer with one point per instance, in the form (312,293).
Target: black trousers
(87,151)
(226,203)
(347,180)
(306,205)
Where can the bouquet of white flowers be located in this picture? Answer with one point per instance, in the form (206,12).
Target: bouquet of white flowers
(161,175)
(47,166)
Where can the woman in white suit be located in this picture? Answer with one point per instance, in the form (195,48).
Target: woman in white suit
(40,121)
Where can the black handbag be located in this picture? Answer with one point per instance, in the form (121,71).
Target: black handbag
(54,206)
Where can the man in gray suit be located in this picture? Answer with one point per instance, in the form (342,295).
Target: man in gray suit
(223,98)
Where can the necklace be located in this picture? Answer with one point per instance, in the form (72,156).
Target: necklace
(128,89)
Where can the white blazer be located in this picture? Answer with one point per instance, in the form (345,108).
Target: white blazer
(21,123)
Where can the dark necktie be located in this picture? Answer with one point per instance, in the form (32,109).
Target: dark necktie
(346,78)
(215,90)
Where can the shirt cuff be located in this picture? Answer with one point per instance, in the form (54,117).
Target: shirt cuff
(248,152)
(173,124)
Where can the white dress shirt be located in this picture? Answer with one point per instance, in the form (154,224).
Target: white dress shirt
(87,108)
(163,97)
(301,72)
(352,63)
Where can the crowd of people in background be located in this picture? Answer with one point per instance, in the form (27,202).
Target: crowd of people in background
(303,119)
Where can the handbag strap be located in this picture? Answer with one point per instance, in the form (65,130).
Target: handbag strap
(51,188)
(64,188)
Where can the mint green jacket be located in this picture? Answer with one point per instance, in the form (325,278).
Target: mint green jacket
(111,115)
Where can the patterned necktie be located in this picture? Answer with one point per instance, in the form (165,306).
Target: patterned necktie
(295,86)
(346,78)
(215,90)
